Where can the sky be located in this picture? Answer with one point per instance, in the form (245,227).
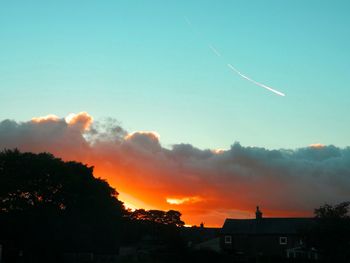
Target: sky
(148,66)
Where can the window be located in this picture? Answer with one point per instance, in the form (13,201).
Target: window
(283,240)
(228,239)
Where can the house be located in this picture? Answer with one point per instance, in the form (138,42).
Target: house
(9,252)
(302,252)
(269,238)
(211,244)
(199,238)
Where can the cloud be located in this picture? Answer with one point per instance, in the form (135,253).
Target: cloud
(49,133)
(144,140)
(206,185)
(182,200)
(317,145)
(81,120)
(46,118)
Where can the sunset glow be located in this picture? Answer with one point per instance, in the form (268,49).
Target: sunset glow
(50,117)
(179,201)
(204,185)
(218,151)
(317,145)
(152,134)
(82,118)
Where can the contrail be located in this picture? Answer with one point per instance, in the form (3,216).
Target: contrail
(188,21)
(255,82)
(218,54)
(195,31)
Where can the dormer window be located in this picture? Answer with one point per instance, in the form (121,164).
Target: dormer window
(283,240)
(228,240)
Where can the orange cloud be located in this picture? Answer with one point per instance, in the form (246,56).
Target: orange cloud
(182,200)
(150,134)
(218,151)
(205,185)
(317,145)
(82,120)
(50,117)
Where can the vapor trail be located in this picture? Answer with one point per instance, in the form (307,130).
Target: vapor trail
(255,82)
(218,54)
(189,23)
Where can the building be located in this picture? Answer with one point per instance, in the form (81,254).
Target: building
(269,238)
(199,238)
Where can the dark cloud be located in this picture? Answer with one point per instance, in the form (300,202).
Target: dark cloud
(290,182)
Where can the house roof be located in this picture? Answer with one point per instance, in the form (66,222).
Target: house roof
(265,226)
(199,234)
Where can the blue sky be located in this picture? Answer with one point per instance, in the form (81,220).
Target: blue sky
(141,63)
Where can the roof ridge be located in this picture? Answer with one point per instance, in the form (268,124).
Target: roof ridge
(247,219)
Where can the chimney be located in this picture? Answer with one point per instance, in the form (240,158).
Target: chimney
(258,213)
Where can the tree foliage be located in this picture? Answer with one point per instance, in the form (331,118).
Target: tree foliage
(40,181)
(337,211)
(47,205)
(331,232)
(170,217)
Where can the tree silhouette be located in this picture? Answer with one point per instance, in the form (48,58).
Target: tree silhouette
(48,205)
(171,217)
(337,211)
(331,232)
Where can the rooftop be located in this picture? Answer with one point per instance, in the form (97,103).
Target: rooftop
(266,225)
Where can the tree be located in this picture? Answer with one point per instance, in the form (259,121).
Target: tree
(331,233)
(171,217)
(337,211)
(47,205)
(157,227)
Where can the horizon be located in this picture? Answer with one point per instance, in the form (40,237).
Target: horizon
(207,185)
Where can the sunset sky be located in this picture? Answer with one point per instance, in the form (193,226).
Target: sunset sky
(133,88)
